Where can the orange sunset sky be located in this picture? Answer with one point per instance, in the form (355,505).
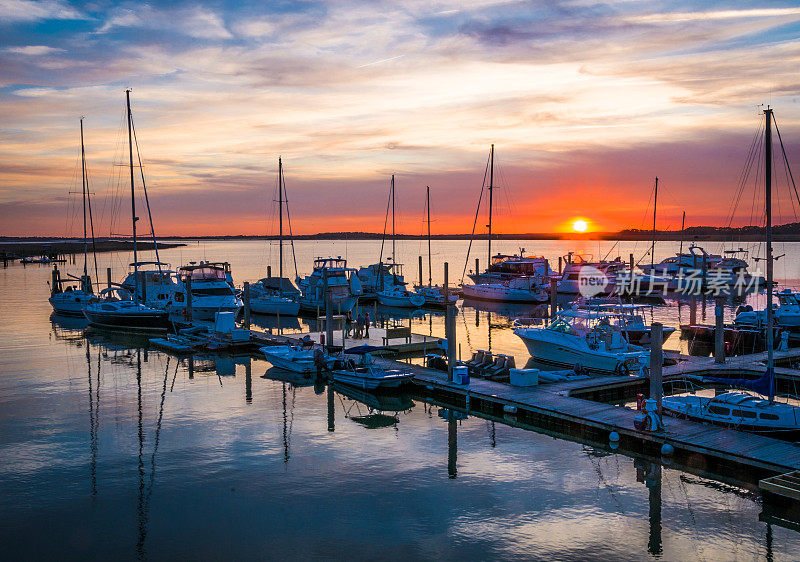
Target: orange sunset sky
(585,102)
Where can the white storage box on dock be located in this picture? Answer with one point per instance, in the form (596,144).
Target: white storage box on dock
(461,374)
(524,377)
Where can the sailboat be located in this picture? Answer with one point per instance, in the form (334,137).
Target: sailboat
(523,289)
(736,408)
(383,275)
(70,300)
(434,295)
(274,296)
(127,314)
(396,294)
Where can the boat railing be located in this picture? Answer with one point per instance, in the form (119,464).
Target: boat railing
(527,322)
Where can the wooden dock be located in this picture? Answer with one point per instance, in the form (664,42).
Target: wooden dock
(713,448)
(410,345)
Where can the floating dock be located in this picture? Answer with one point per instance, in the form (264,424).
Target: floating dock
(392,341)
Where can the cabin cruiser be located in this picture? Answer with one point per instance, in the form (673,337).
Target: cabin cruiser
(151,282)
(580,271)
(114,309)
(275,296)
(590,338)
(729,269)
(365,373)
(504,267)
(212,290)
(379,277)
(519,290)
(630,318)
(786,312)
(295,358)
(434,295)
(738,410)
(398,296)
(344,286)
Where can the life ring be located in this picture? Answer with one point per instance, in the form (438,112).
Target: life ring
(622,369)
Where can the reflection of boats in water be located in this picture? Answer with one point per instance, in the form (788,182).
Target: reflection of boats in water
(381,408)
(282,375)
(271,321)
(507,309)
(68,327)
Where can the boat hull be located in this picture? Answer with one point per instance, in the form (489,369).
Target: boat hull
(560,354)
(339,307)
(371,383)
(156,320)
(282,307)
(282,361)
(398,301)
(70,304)
(492,293)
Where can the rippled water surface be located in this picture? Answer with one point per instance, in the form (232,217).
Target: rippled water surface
(108,449)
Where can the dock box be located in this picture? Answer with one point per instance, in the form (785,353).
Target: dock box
(524,377)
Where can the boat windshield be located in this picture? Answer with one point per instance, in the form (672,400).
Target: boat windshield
(202,274)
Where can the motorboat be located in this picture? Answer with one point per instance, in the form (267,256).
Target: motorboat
(365,373)
(211,287)
(589,338)
(398,296)
(274,304)
(631,320)
(295,358)
(434,296)
(583,276)
(71,300)
(517,290)
(509,266)
(343,284)
(380,276)
(699,267)
(738,410)
(786,313)
(112,312)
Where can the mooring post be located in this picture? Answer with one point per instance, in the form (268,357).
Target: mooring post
(631,261)
(420,271)
(693,310)
(189,298)
(269,271)
(246,299)
(656,363)
(553,296)
(108,277)
(560,260)
(449,325)
(331,410)
(477,265)
(719,329)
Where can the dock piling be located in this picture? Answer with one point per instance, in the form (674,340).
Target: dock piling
(189,298)
(477,265)
(553,296)
(656,363)
(246,299)
(449,325)
(631,261)
(108,277)
(328,311)
(560,260)
(420,271)
(269,271)
(719,330)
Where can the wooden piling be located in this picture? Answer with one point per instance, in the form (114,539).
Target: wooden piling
(631,262)
(449,326)
(420,271)
(719,330)
(189,298)
(108,277)
(656,363)
(560,264)
(269,271)
(328,311)
(477,266)
(246,299)
(553,296)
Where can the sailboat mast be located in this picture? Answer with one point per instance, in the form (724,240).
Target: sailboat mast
(393,232)
(491,188)
(768,205)
(83,189)
(428,205)
(280,215)
(134,218)
(655,207)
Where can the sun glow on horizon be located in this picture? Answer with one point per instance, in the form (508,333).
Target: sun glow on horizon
(580,225)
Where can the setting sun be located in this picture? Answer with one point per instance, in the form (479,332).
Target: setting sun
(580,225)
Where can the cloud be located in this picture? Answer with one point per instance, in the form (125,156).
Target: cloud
(33,50)
(681,17)
(27,10)
(193,21)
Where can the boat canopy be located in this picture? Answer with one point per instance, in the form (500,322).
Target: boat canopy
(202,272)
(330,263)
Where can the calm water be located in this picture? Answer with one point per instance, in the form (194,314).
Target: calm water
(112,450)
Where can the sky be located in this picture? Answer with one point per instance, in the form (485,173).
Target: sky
(586,103)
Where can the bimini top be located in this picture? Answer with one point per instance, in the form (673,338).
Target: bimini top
(330,263)
(203,272)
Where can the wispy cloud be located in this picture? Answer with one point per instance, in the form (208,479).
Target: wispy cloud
(29,10)
(679,17)
(33,50)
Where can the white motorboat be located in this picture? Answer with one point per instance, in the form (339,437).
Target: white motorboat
(295,358)
(399,297)
(738,410)
(70,301)
(344,287)
(274,305)
(518,290)
(364,373)
(698,264)
(630,318)
(152,282)
(787,313)
(380,276)
(212,290)
(585,337)
(508,266)
(434,295)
